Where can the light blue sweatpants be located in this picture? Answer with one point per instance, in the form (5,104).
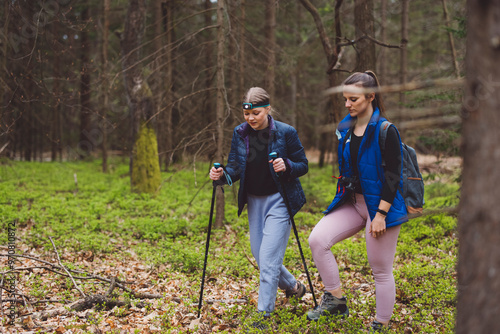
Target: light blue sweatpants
(269,232)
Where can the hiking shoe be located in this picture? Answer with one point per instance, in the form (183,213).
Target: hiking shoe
(329,305)
(299,293)
(377,327)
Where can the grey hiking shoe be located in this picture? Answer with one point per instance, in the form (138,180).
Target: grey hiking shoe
(299,293)
(378,327)
(328,306)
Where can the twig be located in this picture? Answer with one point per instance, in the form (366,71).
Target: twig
(90,276)
(67,272)
(352,42)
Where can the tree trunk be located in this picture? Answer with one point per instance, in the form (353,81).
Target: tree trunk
(169,82)
(86,143)
(403,67)
(221,32)
(382,56)
(158,75)
(56,93)
(208,101)
(6,117)
(332,54)
(144,163)
(453,51)
(363,22)
(241,60)
(270,50)
(233,64)
(479,215)
(105,84)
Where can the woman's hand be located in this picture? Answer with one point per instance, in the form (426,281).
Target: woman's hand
(215,174)
(278,165)
(377,227)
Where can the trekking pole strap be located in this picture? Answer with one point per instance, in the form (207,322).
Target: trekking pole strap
(226,174)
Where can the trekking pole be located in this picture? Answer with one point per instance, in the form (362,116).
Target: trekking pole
(214,185)
(274,155)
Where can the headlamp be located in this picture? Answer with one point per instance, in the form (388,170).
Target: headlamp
(249,106)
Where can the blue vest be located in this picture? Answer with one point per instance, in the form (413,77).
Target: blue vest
(370,170)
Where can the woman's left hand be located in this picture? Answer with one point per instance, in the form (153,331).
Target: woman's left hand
(377,227)
(278,165)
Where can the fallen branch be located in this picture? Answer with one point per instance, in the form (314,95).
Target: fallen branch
(66,270)
(80,305)
(90,276)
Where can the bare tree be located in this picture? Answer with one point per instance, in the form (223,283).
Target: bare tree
(382,57)
(479,214)
(56,124)
(364,26)
(241,59)
(144,163)
(105,85)
(221,33)
(403,67)
(270,32)
(332,56)
(453,50)
(85,145)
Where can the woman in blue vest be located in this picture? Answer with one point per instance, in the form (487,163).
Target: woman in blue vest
(366,197)
(260,189)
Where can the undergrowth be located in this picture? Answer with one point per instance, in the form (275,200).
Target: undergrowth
(83,209)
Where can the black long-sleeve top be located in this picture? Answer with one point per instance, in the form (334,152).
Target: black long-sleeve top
(392,158)
(259,181)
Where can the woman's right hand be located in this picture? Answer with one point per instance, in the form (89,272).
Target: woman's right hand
(216,174)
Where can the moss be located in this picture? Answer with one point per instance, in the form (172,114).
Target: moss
(146,176)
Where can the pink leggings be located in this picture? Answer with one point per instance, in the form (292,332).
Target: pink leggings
(343,223)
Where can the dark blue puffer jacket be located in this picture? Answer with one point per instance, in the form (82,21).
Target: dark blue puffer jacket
(370,170)
(284,140)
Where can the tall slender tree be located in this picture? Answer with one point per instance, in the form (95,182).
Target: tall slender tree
(242,53)
(403,67)
(86,142)
(144,163)
(56,129)
(382,56)
(453,50)
(479,214)
(332,56)
(270,50)
(364,26)
(221,33)
(105,84)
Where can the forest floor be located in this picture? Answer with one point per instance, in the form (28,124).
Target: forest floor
(133,278)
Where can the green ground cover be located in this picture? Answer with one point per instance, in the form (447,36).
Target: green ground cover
(100,214)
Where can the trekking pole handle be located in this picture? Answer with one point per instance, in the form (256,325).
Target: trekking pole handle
(218,165)
(274,156)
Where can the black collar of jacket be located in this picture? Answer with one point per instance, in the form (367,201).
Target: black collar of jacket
(245,128)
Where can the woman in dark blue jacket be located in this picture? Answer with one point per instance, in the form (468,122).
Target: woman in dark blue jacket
(367,197)
(260,189)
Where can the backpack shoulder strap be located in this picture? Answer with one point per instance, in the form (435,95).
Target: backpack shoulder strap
(384,128)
